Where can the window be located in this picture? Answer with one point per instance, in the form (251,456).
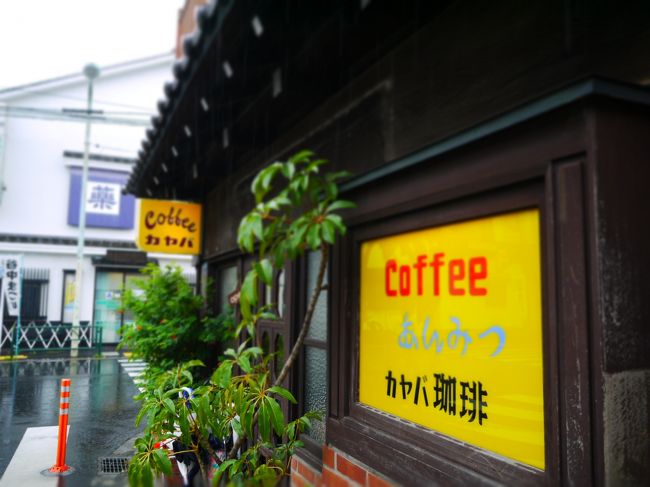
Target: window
(67,308)
(314,369)
(418,357)
(36,284)
(227,281)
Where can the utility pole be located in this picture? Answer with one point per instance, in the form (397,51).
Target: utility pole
(91,72)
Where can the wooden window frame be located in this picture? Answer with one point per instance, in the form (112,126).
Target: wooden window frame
(312,451)
(417,452)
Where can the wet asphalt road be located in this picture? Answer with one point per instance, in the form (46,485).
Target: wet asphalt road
(102,411)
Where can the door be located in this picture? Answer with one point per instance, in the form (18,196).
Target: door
(108,312)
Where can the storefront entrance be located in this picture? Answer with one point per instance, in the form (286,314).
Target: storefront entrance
(109,292)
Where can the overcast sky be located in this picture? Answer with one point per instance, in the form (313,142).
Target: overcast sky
(41,39)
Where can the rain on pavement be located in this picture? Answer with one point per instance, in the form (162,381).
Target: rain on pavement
(102,411)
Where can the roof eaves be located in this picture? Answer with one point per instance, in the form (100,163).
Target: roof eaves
(210,18)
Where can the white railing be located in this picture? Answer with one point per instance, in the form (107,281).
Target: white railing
(48,336)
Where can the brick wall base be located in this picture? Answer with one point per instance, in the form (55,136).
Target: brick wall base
(338,470)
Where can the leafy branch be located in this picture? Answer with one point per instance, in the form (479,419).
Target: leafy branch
(296,210)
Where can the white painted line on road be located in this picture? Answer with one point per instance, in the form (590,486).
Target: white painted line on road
(36,452)
(134,369)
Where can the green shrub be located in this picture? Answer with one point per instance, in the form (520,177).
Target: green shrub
(168,327)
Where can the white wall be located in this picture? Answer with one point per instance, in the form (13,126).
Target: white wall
(37,176)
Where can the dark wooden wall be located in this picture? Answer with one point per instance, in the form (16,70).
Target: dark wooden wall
(470,63)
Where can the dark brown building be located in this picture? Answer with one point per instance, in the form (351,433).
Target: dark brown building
(511,139)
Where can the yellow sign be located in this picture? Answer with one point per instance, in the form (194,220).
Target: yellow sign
(451,332)
(169,227)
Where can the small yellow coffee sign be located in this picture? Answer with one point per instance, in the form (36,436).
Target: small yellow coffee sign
(451,332)
(169,227)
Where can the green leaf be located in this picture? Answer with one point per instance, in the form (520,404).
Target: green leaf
(163,462)
(313,166)
(276,415)
(257,225)
(246,419)
(193,363)
(288,170)
(245,364)
(265,271)
(337,221)
(223,374)
(188,375)
(328,231)
(248,295)
(139,417)
(281,391)
(299,235)
(313,237)
(245,237)
(333,176)
(169,404)
(282,200)
(236,426)
(254,351)
(249,290)
(184,425)
(301,156)
(264,421)
(216,480)
(146,476)
(340,205)
(305,421)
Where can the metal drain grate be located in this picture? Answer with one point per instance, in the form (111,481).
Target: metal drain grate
(113,464)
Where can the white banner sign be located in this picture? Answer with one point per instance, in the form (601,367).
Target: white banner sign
(11,282)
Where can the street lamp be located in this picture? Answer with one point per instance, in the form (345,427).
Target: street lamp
(91,72)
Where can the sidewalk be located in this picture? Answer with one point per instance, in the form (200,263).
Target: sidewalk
(102,414)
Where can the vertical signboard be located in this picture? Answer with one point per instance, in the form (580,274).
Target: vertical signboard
(451,332)
(11,285)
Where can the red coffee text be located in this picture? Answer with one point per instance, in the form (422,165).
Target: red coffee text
(459,276)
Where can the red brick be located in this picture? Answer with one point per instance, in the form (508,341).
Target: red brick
(332,479)
(294,464)
(351,470)
(328,456)
(297,480)
(306,472)
(374,481)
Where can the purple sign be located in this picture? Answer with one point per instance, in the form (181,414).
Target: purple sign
(106,206)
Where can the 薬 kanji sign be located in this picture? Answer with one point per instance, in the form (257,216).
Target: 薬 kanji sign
(171,227)
(451,332)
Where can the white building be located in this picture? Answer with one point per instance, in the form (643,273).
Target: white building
(41,155)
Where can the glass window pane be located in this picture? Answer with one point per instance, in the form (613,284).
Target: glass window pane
(108,304)
(268,295)
(280,282)
(318,327)
(129,283)
(279,350)
(266,342)
(68,296)
(227,284)
(316,389)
